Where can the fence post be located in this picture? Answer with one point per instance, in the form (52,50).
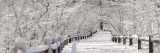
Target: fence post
(20,44)
(65,42)
(124,40)
(112,38)
(61,46)
(59,49)
(70,40)
(115,39)
(130,41)
(139,44)
(48,41)
(87,36)
(81,37)
(78,38)
(119,40)
(150,45)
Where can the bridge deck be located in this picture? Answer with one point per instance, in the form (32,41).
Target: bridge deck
(101,43)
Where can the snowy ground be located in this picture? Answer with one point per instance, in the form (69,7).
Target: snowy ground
(101,43)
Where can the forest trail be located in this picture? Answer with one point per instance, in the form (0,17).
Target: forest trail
(101,43)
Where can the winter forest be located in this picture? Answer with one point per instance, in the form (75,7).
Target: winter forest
(34,20)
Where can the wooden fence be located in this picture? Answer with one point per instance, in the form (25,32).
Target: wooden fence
(49,47)
(149,39)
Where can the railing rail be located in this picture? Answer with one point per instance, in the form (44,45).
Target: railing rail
(139,41)
(49,47)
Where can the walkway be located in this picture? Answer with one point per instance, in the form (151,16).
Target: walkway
(101,43)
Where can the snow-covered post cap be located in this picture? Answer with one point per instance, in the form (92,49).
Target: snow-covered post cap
(120,36)
(134,36)
(126,36)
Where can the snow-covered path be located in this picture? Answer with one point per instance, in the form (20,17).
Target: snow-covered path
(101,43)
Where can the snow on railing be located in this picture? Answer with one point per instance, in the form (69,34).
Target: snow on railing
(50,45)
(151,41)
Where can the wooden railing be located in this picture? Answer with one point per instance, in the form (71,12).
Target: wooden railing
(49,47)
(149,39)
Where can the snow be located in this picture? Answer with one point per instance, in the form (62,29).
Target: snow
(27,20)
(134,36)
(101,43)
